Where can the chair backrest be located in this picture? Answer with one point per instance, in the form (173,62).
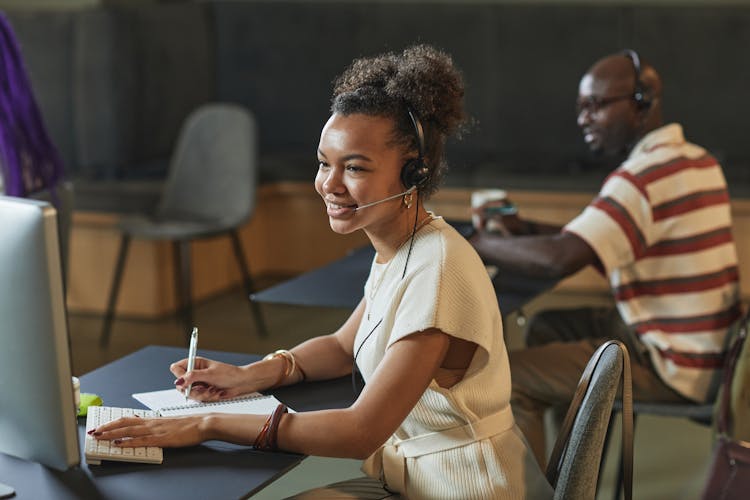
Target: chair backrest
(213,170)
(63,199)
(732,407)
(574,466)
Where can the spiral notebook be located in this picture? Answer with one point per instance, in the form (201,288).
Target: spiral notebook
(171,403)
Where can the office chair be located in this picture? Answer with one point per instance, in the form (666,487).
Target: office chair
(573,468)
(63,199)
(210,191)
(699,413)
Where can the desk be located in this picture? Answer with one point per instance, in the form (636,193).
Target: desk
(341,284)
(213,470)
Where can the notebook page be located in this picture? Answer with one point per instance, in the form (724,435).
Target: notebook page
(170,402)
(156,400)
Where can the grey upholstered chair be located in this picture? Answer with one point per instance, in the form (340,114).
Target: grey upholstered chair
(210,191)
(573,468)
(698,413)
(63,199)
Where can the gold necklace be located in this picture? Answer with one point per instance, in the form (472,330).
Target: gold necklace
(374,289)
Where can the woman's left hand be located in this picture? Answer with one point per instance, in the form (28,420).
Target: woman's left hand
(165,432)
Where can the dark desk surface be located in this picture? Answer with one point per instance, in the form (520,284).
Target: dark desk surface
(212,470)
(341,284)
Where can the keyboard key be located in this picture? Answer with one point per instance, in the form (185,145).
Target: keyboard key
(98,450)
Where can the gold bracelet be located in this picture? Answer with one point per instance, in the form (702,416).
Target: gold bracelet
(290,364)
(296,366)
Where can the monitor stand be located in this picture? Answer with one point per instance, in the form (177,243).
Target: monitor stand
(6,491)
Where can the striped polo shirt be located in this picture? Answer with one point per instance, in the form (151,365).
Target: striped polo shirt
(661,227)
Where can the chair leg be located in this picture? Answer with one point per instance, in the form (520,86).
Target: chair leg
(183,285)
(620,470)
(248,283)
(114,291)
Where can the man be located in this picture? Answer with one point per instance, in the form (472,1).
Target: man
(659,229)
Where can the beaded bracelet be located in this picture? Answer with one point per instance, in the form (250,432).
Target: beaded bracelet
(267,439)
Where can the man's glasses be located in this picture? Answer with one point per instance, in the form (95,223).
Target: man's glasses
(593,104)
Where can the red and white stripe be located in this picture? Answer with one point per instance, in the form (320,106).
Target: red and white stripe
(661,227)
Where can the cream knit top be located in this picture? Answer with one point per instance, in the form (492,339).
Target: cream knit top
(460,442)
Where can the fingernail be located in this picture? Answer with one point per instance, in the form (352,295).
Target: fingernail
(222,393)
(179,381)
(91,432)
(97,433)
(117,441)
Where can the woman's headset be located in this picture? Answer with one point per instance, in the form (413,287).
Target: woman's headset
(415,173)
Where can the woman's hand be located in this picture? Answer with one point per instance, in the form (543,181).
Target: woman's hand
(214,380)
(165,432)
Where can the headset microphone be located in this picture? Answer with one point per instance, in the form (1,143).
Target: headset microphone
(386,199)
(414,173)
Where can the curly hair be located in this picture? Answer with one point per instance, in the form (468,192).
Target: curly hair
(422,80)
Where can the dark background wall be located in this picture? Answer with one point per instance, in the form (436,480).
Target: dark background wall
(115,82)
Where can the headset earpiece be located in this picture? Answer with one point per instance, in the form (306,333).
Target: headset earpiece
(640,96)
(415,172)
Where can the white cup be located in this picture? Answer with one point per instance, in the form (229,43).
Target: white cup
(481,197)
(76,393)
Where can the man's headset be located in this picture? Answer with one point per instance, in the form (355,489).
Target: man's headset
(641,97)
(415,173)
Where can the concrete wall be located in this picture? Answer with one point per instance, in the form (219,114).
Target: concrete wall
(115,80)
(114,84)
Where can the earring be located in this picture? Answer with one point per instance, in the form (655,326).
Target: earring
(408,199)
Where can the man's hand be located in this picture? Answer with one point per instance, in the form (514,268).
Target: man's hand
(501,216)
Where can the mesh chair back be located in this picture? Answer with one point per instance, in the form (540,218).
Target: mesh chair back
(213,171)
(575,474)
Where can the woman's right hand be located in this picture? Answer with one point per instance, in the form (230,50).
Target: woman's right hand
(213,380)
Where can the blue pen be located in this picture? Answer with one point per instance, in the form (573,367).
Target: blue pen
(191,356)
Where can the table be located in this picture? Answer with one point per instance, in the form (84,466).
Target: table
(212,470)
(341,284)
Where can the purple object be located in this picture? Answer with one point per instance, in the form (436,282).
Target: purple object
(29,161)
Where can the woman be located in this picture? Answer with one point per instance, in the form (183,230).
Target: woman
(427,335)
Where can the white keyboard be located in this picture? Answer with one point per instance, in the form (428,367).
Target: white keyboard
(98,450)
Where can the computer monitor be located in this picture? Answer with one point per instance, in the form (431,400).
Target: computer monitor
(37,411)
